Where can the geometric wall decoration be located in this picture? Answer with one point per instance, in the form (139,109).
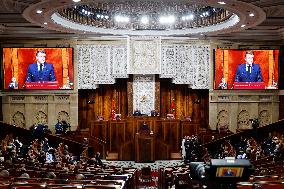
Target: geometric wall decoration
(100,64)
(186,64)
(144,93)
(144,55)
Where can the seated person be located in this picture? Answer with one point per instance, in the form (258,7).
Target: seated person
(13,84)
(61,127)
(223,84)
(137,113)
(170,116)
(144,128)
(154,113)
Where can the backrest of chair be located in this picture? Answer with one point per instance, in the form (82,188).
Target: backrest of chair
(146,172)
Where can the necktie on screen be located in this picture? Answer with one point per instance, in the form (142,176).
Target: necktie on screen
(40,72)
(249,68)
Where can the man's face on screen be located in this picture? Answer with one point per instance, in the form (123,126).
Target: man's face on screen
(249,58)
(41,57)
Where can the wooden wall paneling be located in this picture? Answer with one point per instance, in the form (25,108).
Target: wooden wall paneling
(158,129)
(130,129)
(162,150)
(116,135)
(179,102)
(281,104)
(204,108)
(130,95)
(98,136)
(157,94)
(107,97)
(122,95)
(128,146)
(1,110)
(188,128)
(86,110)
(98,130)
(171,134)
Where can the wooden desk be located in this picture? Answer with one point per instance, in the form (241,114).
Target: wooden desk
(144,148)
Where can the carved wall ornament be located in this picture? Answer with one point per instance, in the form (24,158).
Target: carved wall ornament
(265,97)
(223,97)
(186,64)
(101,64)
(17,98)
(63,116)
(62,98)
(41,118)
(243,120)
(19,119)
(223,121)
(144,93)
(264,118)
(144,55)
(40,98)
(244,97)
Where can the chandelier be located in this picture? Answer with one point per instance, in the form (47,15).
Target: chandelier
(145,15)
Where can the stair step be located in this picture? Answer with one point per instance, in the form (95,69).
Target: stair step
(112,156)
(176,156)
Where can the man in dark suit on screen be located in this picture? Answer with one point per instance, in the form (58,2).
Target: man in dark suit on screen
(248,71)
(41,70)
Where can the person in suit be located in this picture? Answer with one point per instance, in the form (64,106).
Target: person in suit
(137,113)
(248,71)
(41,70)
(13,84)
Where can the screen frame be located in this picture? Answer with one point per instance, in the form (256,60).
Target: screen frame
(238,171)
(71,71)
(229,84)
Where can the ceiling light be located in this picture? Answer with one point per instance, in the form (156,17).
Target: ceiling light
(167,19)
(120,18)
(76,1)
(191,16)
(243,25)
(145,20)
(39,11)
(221,2)
(251,14)
(45,23)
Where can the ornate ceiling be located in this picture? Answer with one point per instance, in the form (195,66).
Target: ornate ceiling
(18,19)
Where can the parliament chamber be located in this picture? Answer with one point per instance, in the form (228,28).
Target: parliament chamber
(145,94)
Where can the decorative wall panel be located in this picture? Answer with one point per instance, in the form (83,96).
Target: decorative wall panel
(243,120)
(144,55)
(186,64)
(46,109)
(100,64)
(119,62)
(18,119)
(144,93)
(242,108)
